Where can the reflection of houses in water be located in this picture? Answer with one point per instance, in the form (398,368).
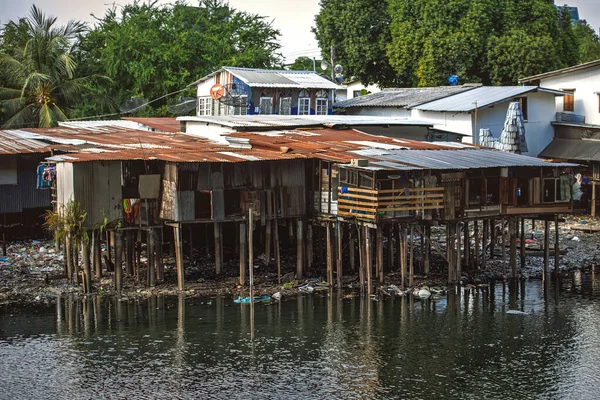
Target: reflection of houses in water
(306,179)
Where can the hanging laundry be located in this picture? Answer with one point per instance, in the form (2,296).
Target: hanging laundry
(46,175)
(131,208)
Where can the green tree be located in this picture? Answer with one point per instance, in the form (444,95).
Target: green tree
(39,81)
(304,63)
(150,51)
(359,31)
(588,43)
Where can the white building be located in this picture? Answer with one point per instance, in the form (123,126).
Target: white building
(465,109)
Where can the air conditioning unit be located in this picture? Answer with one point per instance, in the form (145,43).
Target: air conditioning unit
(359,162)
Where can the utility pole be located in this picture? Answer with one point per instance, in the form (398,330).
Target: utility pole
(332,63)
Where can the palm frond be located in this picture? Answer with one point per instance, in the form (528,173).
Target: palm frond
(46,116)
(25,117)
(12,106)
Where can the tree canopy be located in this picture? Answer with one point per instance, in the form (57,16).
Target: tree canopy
(140,50)
(423,42)
(38,81)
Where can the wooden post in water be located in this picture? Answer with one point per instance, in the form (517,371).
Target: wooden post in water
(158,248)
(129,252)
(379,255)
(467,244)
(361,257)
(458,263)
(546,249)
(411,257)
(390,248)
(523,248)
(329,245)
(352,248)
(179,257)
(593,198)
(68,258)
(97,256)
(369,259)
(151,263)
(118,262)
(556,247)
(503,231)
(87,271)
(339,247)
(218,230)
(242,228)
(513,246)
(427,250)
(191,243)
(492,238)
(309,246)
(486,230)
(251,254)
(138,256)
(402,254)
(268,242)
(449,252)
(300,250)
(476,264)
(277,249)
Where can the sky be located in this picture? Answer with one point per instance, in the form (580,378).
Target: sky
(294,19)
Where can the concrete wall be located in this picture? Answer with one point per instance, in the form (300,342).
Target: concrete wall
(453,122)
(586,99)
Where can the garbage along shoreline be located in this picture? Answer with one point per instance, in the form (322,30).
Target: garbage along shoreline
(32,272)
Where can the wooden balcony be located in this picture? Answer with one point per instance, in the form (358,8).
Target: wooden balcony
(390,203)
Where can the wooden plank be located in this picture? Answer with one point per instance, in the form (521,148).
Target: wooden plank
(369,216)
(390,209)
(340,206)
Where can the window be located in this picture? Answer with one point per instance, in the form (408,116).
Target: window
(524,110)
(204,106)
(304,102)
(356,93)
(569,100)
(321,103)
(266,105)
(285,102)
(241,107)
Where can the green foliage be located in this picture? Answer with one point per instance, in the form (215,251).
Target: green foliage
(423,42)
(150,51)
(39,80)
(304,63)
(359,32)
(68,223)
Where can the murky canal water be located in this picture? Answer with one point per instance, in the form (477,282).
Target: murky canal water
(311,346)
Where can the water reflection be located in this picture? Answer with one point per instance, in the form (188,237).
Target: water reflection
(326,345)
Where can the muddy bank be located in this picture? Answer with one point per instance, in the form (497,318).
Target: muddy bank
(32,271)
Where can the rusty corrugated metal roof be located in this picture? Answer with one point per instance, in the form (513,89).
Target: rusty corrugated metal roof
(14,144)
(158,124)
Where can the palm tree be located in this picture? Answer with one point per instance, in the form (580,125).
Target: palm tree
(40,80)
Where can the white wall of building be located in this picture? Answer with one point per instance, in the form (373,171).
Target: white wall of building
(586,83)
(379,111)
(357,86)
(453,122)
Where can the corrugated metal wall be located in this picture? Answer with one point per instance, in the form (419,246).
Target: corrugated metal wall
(24,195)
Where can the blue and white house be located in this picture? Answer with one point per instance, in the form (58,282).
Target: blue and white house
(248,91)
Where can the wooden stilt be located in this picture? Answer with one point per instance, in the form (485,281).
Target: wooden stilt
(329,245)
(109,250)
(513,246)
(251,255)
(477,245)
(556,247)
(219,247)
(151,262)
(390,247)
(277,249)
(379,256)
(503,231)
(522,240)
(427,249)
(87,271)
(97,254)
(484,253)
(129,252)
(158,250)
(411,257)
(449,252)
(138,256)
(458,261)
(546,249)
(118,262)
(179,257)
(309,246)
(351,248)
(243,265)
(339,248)
(403,239)
(300,250)
(361,258)
(492,238)
(268,243)
(369,260)
(593,211)
(466,244)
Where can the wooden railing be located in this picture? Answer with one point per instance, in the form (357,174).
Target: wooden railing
(390,203)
